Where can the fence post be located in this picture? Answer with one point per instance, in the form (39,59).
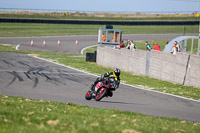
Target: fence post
(147,63)
(192,46)
(198,52)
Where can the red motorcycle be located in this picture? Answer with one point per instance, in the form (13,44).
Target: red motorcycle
(102,89)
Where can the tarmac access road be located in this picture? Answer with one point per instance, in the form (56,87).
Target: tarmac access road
(67,43)
(29,77)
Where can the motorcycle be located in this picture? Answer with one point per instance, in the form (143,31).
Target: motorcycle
(102,89)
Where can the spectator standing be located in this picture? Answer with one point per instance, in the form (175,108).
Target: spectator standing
(121,45)
(103,37)
(148,46)
(132,46)
(156,47)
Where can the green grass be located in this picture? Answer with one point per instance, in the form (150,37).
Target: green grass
(22,115)
(90,50)
(19,29)
(28,30)
(195,46)
(128,78)
(86,17)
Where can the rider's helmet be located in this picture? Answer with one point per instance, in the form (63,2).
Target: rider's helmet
(117,72)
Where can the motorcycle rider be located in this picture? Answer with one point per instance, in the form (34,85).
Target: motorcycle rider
(111,76)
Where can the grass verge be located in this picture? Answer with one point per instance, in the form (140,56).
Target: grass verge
(128,78)
(28,30)
(26,115)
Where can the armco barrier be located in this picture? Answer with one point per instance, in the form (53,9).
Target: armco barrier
(180,68)
(93,22)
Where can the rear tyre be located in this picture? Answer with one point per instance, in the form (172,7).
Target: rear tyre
(110,93)
(101,93)
(88,95)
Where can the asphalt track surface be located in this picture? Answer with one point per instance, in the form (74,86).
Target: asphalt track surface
(67,43)
(29,77)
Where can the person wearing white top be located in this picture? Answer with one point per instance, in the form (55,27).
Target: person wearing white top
(132,46)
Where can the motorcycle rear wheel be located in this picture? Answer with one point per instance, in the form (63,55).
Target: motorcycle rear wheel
(101,93)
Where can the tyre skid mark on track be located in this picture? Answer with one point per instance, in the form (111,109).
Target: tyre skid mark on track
(27,75)
(35,82)
(15,74)
(35,74)
(13,80)
(8,63)
(48,78)
(24,64)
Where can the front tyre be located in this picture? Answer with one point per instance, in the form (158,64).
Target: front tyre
(100,93)
(88,95)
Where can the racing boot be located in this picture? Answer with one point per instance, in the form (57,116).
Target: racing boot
(92,89)
(110,94)
(94,94)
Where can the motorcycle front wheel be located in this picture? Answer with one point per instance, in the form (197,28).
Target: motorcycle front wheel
(88,95)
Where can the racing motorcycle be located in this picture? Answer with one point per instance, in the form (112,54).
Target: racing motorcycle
(102,89)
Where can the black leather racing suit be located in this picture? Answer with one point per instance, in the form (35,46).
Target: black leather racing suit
(114,79)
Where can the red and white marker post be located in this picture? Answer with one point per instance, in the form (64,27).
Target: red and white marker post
(76,42)
(44,43)
(31,42)
(58,43)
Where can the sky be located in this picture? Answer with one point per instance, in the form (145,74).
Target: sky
(106,5)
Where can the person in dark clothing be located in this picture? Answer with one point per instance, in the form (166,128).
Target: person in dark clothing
(111,76)
(177,46)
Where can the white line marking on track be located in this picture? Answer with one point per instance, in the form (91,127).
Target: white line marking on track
(87,48)
(121,83)
(17,47)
